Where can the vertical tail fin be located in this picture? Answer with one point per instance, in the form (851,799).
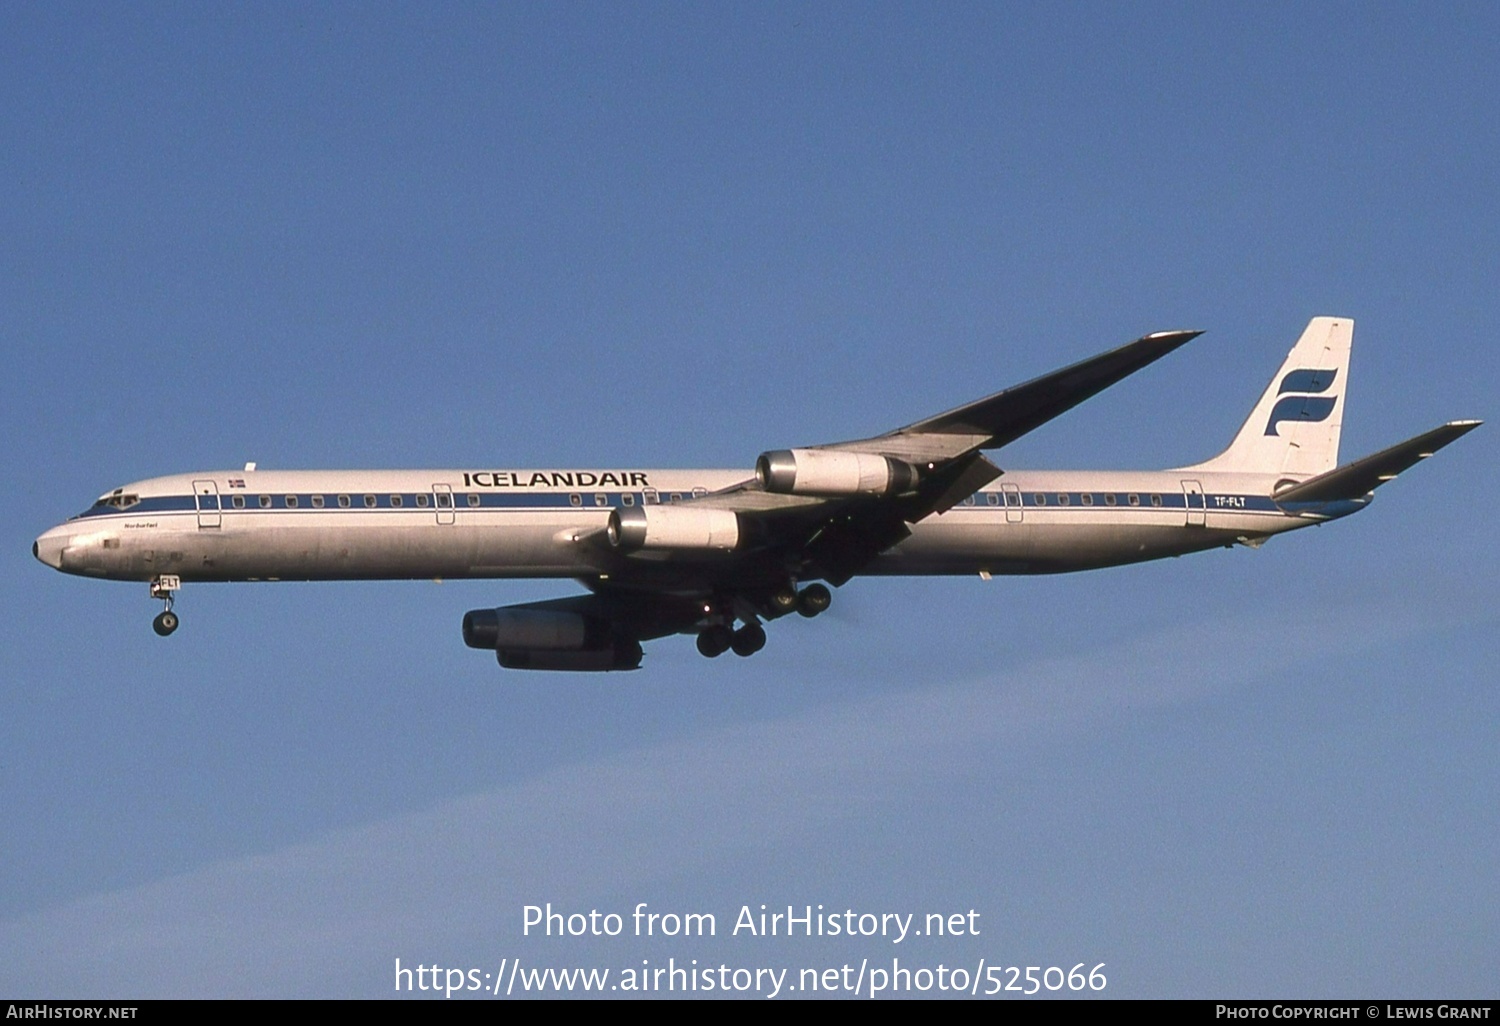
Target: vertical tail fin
(1294,429)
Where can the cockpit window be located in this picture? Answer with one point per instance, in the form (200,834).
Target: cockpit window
(116,499)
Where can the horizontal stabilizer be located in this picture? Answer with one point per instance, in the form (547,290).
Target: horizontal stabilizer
(1357,479)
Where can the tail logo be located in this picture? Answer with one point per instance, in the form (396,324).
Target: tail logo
(1306,401)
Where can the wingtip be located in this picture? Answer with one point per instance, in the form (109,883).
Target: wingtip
(1172,339)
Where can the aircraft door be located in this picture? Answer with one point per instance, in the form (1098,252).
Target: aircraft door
(1012,495)
(206,498)
(1197,504)
(442,501)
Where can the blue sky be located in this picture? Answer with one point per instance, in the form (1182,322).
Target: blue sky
(678,235)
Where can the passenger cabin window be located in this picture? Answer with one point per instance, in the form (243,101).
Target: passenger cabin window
(317,501)
(1039,499)
(370,501)
(600,499)
(422,500)
(1086,499)
(1156,500)
(265,502)
(239,502)
(291,502)
(444,500)
(1133,499)
(1109,498)
(395,501)
(344,501)
(628,498)
(676,497)
(1064,498)
(575,499)
(992,498)
(473,499)
(649,497)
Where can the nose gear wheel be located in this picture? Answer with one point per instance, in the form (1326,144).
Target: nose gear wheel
(165,588)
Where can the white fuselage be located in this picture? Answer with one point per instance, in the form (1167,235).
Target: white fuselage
(361,525)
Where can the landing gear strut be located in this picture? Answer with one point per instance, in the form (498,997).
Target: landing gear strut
(165,588)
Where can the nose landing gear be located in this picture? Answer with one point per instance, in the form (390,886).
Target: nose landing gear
(165,588)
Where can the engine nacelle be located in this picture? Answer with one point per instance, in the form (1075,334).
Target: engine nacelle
(519,628)
(673,527)
(550,639)
(619,655)
(826,472)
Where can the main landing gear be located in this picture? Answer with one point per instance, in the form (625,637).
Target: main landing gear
(813,599)
(718,638)
(715,640)
(810,601)
(165,588)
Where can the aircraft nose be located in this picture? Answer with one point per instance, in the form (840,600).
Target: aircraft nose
(49,548)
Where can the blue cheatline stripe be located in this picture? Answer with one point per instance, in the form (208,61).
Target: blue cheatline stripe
(1209,502)
(357,504)
(559,502)
(154,504)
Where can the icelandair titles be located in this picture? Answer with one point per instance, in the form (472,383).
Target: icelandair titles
(555,479)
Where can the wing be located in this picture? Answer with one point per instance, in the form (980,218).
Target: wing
(1001,418)
(826,511)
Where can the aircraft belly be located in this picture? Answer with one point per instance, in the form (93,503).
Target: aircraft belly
(1037,547)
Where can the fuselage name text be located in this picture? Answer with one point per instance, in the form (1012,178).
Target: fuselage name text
(555,479)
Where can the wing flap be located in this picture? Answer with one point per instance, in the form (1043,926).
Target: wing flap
(950,486)
(751,498)
(916,449)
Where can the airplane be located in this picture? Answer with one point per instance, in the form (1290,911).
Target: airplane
(719,553)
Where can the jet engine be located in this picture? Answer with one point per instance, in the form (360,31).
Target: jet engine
(620,655)
(550,639)
(673,527)
(826,472)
